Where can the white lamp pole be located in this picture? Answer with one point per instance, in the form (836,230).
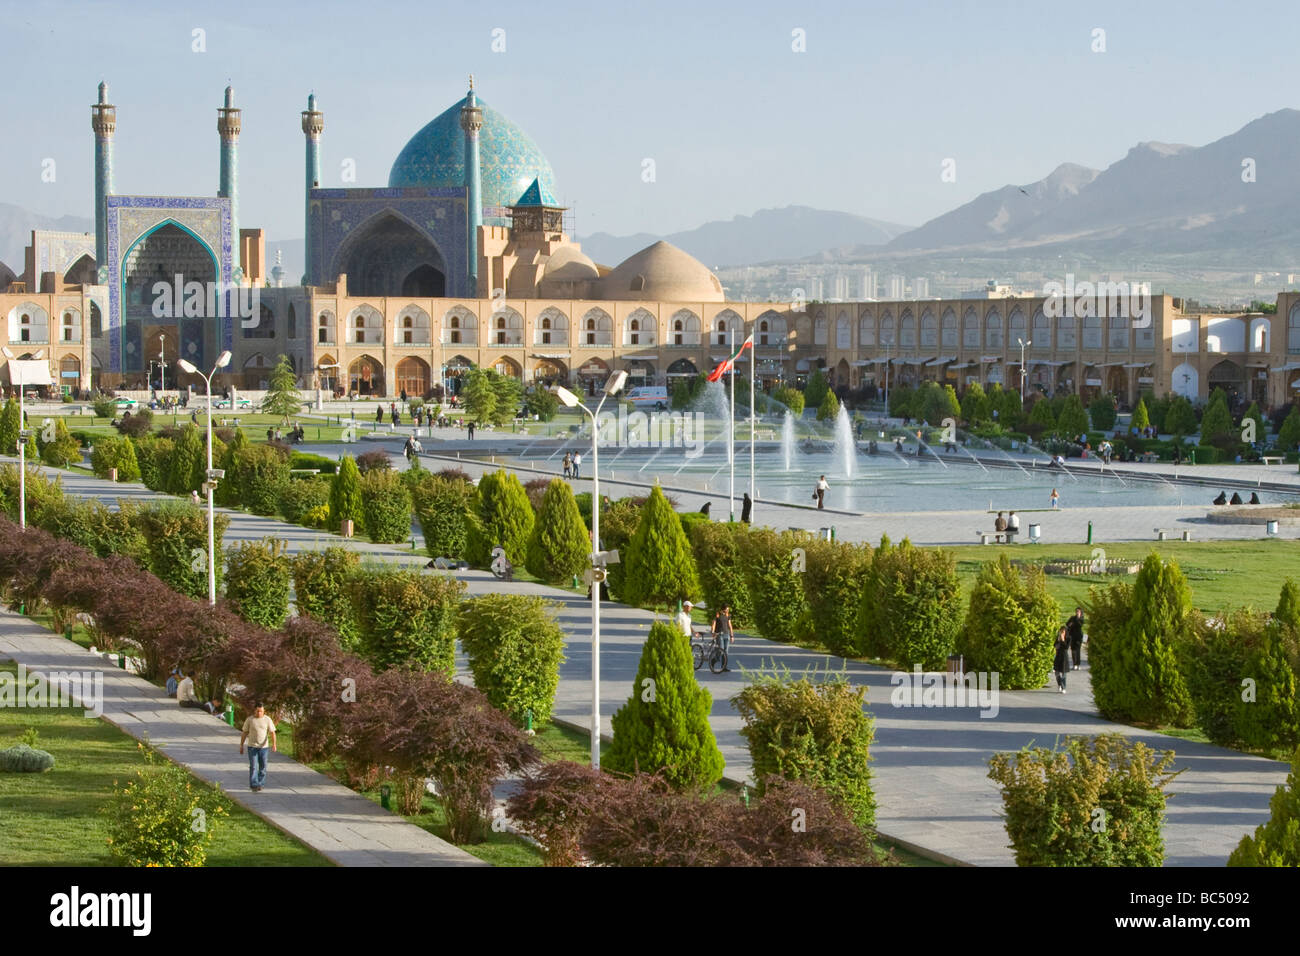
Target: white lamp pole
(162,368)
(1023,343)
(213,474)
(613,385)
(23,435)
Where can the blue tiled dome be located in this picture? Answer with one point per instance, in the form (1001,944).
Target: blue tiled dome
(509,159)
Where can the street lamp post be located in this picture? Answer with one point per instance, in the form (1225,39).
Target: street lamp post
(1023,344)
(162,367)
(214,474)
(319,369)
(613,385)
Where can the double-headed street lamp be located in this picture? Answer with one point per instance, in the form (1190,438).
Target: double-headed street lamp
(612,385)
(214,474)
(1023,344)
(24,433)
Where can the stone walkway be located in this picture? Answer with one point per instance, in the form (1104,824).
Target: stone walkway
(343,826)
(930,764)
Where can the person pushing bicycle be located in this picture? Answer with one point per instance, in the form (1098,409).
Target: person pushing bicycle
(722,630)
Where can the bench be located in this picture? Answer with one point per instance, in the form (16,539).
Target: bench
(1148,457)
(1271,460)
(1163,534)
(998,536)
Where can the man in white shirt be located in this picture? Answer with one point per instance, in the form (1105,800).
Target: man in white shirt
(577,465)
(1013,527)
(259,729)
(683,619)
(185,695)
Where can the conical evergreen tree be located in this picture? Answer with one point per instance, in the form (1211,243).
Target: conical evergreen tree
(506,517)
(1272,719)
(829,409)
(1135,675)
(345,496)
(660,568)
(64,450)
(1073,420)
(560,543)
(1141,419)
(1277,841)
(1011,626)
(665,723)
(1287,614)
(187,463)
(282,396)
(10,425)
(227,494)
(975,405)
(1216,421)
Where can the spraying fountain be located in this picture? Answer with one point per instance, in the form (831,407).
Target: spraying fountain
(787,441)
(845,449)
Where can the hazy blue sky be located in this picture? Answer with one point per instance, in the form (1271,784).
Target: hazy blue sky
(713,92)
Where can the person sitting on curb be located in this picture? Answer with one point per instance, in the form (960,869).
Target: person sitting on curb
(185,696)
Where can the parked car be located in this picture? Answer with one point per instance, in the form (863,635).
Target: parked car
(127,403)
(225,403)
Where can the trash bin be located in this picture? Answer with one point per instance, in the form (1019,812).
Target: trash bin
(1035,532)
(824,533)
(1271,527)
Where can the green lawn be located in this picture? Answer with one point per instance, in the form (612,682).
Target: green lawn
(1221,574)
(53,819)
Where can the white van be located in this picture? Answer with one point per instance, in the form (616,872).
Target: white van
(648,397)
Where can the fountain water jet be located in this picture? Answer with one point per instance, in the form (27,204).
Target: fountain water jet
(845,449)
(787,440)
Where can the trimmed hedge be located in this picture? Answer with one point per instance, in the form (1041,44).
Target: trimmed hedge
(21,758)
(301,496)
(1011,626)
(406,619)
(443,506)
(386,505)
(257,581)
(819,733)
(561,543)
(258,475)
(911,606)
(515,647)
(321,589)
(112,451)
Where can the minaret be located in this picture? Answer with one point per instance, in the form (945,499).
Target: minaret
(228,127)
(471,121)
(313,124)
(103,120)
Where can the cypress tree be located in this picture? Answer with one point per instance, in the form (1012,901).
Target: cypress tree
(560,543)
(975,405)
(64,450)
(1216,420)
(10,425)
(1275,842)
(1288,436)
(814,393)
(664,726)
(1041,417)
(185,468)
(506,516)
(1011,625)
(345,495)
(829,409)
(1135,675)
(659,567)
(1073,420)
(1141,419)
(227,493)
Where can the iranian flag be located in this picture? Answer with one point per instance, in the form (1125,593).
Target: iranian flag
(726,365)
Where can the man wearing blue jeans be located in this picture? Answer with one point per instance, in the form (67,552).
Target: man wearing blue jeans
(258,729)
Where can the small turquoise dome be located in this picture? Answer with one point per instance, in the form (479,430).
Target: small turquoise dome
(509,159)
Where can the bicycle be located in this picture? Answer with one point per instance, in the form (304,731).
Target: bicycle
(711,652)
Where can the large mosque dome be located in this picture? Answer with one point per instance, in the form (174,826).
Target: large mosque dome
(661,272)
(509,159)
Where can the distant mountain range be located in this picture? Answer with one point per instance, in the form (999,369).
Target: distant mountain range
(1234,202)
(1237,195)
(770,234)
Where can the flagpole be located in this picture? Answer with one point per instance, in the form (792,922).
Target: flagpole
(731,435)
(753,420)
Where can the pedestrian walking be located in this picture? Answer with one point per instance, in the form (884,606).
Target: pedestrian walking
(577,464)
(683,619)
(258,729)
(409,448)
(820,493)
(1061,660)
(379,415)
(1074,629)
(568,464)
(471,431)
(746,509)
(722,630)
(1055,499)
